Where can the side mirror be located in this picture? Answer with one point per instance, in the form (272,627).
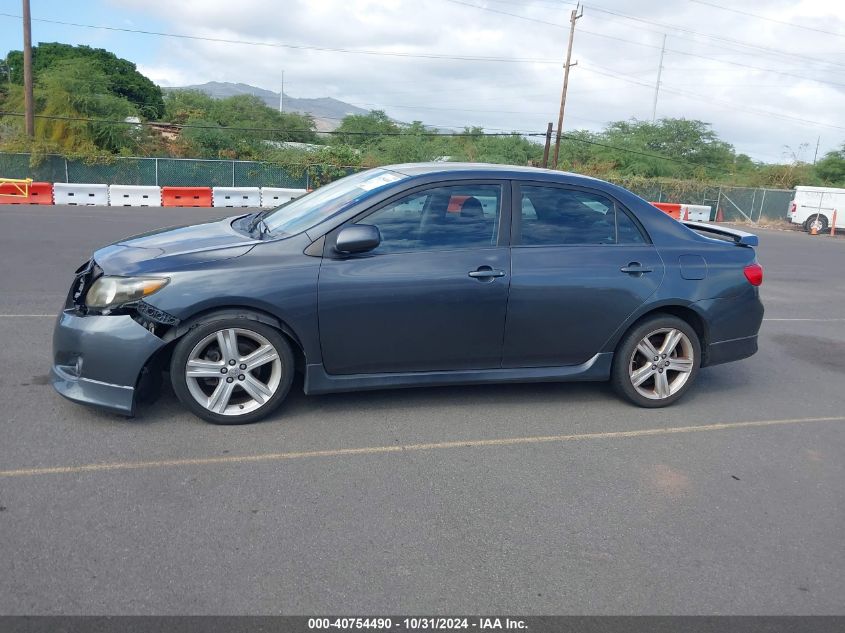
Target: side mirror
(358,238)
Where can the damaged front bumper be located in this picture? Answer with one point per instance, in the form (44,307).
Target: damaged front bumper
(98,359)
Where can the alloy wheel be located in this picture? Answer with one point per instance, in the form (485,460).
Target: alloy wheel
(233,371)
(661,363)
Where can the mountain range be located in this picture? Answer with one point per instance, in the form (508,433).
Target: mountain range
(326,111)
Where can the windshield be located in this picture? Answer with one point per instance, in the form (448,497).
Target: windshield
(303,213)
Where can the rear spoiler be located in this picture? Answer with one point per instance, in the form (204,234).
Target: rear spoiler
(739,237)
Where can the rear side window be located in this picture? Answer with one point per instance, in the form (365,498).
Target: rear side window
(560,216)
(627,232)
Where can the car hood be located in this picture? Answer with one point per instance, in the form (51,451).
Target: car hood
(174,247)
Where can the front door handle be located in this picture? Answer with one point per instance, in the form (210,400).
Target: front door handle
(636,268)
(486,273)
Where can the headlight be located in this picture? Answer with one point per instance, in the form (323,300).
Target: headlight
(111,292)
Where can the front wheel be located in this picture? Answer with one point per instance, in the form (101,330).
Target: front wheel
(232,371)
(656,362)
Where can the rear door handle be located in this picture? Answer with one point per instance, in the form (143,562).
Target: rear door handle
(486,273)
(636,268)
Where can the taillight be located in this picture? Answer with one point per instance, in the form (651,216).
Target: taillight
(792,208)
(754,274)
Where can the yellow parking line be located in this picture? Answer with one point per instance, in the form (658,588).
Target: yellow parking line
(376,450)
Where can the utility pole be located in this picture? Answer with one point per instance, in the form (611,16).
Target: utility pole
(657,85)
(548,143)
(27,71)
(282,94)
(816,153)
(576,13)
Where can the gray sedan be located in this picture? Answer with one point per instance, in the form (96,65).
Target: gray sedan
(411,275)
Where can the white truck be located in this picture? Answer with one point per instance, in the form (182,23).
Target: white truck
(815,206)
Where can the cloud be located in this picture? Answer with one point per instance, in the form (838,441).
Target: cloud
(760,110)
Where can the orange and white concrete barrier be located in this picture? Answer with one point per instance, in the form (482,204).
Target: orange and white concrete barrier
(685,212)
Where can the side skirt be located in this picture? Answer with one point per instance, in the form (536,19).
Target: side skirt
(318,381)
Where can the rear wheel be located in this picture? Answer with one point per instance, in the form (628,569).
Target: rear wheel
(657,361)
(232,371)
(819,222)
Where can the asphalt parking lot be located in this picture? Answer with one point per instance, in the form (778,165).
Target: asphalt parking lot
(525,499)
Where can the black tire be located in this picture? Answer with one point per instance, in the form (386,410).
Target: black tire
(624,359)
(823,223)
(208,327)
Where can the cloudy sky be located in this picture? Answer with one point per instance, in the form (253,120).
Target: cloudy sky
(768,74)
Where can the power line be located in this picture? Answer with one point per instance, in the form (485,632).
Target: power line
(501,131)
(525,60)
(717,60)
(719,38)
(513,15)
(722,70)
(711,100)
(416,107)
(260,129)
(668,50)
(768,19)
(662,25)
(681,161)
(508,131)
(567,137)
(392,53)
(438,92)
(327,49)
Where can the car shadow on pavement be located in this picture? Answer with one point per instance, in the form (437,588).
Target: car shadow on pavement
(726,381)
(167,406)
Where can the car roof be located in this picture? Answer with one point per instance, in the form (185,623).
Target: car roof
(488,170)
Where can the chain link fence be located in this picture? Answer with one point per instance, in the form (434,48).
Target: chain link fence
(737,203)
(744,203)
(173,172)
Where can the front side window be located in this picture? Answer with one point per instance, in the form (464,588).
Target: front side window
(441,218)
(559,216)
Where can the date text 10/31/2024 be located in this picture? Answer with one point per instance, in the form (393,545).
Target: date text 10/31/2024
(417,623)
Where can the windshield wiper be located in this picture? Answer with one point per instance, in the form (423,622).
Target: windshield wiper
(258,222)
(255,219)
(263,229)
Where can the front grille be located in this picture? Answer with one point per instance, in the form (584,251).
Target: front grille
(86,275)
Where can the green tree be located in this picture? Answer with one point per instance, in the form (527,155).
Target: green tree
(831,168)
(67,94)
(364,130)
(122,77)
(258,126)
(414,143)
(677,148)
(322,165)
(692,145)
(250,111)
(512,149)
(577,150)
(5,79)
(181,106)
